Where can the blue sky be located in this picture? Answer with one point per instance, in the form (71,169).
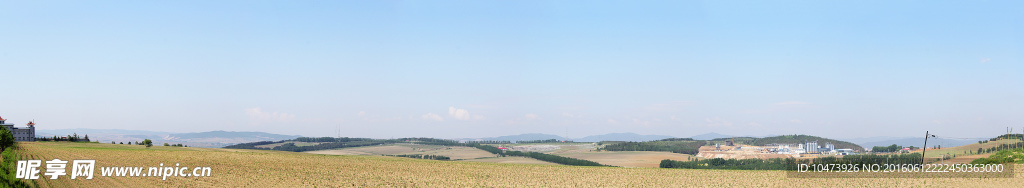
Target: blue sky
(455,69)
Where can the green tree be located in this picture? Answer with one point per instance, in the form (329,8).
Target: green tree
(6,139)
(148,143)
(166,144)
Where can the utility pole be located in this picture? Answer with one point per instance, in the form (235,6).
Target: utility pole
(925,148)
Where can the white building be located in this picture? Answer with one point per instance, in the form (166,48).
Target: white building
(811,147)
(21,133)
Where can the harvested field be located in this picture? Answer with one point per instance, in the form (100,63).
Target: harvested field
(453,152)
(629,158)
(457,153)
(963,159)
(258,168)
(512,160)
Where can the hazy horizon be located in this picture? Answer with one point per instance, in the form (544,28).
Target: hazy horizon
(450,69)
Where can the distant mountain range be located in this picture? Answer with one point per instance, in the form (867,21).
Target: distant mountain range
(595,138)
(710,136)
(201,139)
(622,137)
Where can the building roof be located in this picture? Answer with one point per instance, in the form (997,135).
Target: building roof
(30,123)
(1,119)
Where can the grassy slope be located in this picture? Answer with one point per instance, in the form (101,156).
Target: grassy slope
(256,168)
(959,150)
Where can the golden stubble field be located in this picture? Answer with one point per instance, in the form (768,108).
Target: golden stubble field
(250,168)
(454,152)
(629,158)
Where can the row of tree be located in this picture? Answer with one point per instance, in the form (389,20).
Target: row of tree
(175,145)
(325,146)
(732,164)
(538,156)
(890,148)
(538,141)
(684,147)
(146,142)
(1001,147)
(554,158)
(490,142)
(677,139)
(418,156)
(790,163)
(70,138)
(330,139)
(800,139)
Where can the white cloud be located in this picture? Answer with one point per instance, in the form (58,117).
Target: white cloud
(985,60)
(257,114)
(612,121)
(361,113)
(432,116)
(460,114)
(795,121)
(531,116)
(571,115)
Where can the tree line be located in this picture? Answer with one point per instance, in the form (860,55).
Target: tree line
(419,156)
(554,158)
(732,164)
(684,147)
(70,138)
(490,142)
(330,145)
(800,139)
(538,141)
(890,148)
(536,155)
(677,139)
(1001,147)
(789,163)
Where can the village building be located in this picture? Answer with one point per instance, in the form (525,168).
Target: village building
(21,134)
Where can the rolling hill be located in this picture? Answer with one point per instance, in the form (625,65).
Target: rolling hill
(622,137)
